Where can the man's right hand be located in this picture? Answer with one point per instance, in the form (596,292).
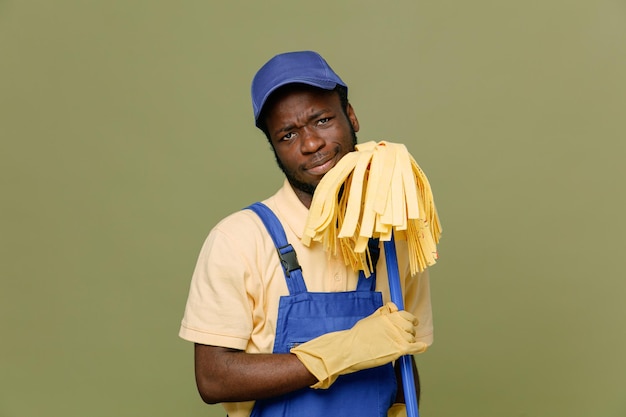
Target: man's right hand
(378,339)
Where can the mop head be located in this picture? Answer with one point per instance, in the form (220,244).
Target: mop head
(375,192)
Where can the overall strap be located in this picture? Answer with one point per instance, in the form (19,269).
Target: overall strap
(286,253)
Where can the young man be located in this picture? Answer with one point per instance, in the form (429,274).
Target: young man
(314,338)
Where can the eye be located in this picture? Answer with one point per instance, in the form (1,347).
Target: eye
(289,136)
(323,121)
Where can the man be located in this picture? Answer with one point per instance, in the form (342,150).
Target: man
(312,338)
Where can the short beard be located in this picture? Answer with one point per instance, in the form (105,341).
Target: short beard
(299,185)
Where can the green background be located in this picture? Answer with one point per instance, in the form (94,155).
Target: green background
(126,133)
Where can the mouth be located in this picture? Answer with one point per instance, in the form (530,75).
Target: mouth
(321,167)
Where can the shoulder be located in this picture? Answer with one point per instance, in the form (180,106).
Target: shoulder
(238,225)
(240,220)
(240,230)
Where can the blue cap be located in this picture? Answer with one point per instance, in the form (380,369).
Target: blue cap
(305,67)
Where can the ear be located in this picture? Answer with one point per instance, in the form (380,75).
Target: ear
(352,117)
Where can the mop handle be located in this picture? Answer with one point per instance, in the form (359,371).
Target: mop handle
(395,290)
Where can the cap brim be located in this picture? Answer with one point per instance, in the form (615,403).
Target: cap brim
(323,84)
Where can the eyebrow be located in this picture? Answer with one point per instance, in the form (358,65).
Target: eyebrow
(311,117)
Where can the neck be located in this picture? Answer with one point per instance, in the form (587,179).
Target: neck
(304,197)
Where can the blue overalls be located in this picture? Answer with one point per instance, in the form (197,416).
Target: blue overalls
(304,315)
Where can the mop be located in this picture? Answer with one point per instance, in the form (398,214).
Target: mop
(377,191)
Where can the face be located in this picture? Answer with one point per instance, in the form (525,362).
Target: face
(310,133)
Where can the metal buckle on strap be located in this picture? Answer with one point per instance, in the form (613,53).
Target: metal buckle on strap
(288,259)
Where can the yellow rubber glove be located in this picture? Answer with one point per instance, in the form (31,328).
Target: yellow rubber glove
(397,410)
(378,339)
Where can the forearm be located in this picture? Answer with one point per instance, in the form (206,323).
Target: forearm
(225,375)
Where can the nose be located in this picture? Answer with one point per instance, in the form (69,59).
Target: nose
(311,141)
